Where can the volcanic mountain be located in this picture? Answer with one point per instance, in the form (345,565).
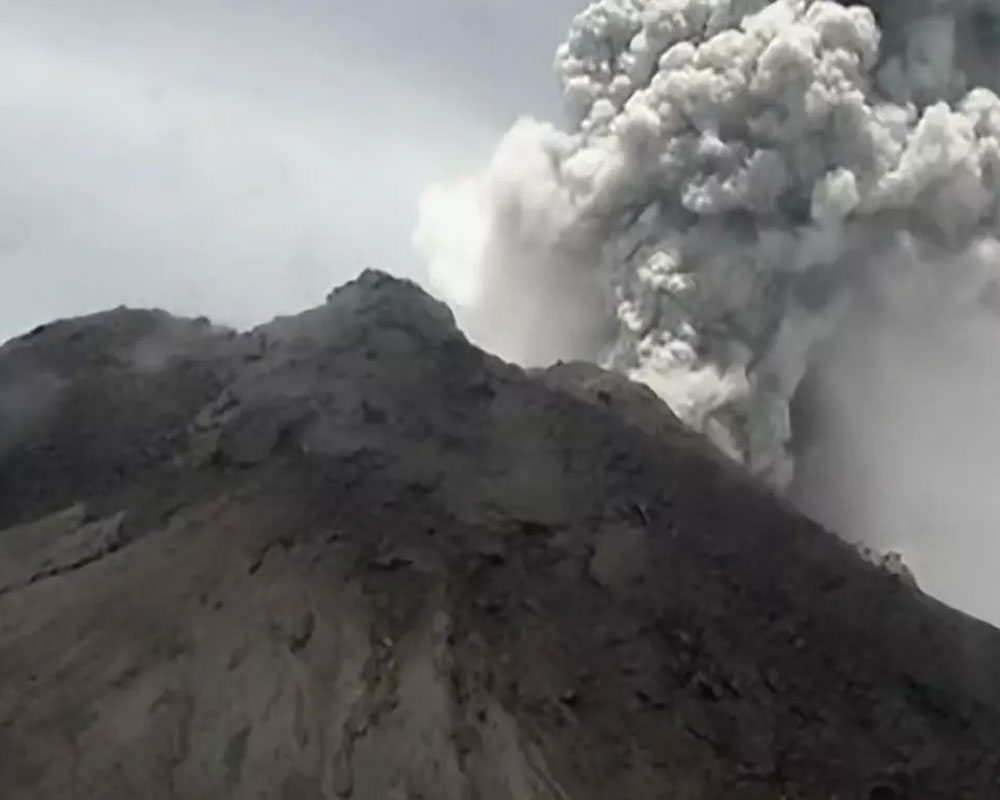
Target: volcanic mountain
(349,555)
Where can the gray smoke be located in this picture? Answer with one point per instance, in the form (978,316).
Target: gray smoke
(747,196)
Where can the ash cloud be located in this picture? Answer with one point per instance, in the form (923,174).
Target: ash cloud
(750,197)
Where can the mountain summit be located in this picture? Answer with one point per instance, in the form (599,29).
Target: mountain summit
(347,555)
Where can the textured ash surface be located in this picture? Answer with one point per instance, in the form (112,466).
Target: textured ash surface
(348,555)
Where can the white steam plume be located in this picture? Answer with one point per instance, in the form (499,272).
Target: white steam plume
(740,182)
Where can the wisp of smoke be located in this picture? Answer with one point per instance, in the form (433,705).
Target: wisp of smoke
(764,211)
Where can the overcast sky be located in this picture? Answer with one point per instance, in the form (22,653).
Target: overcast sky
(239,158)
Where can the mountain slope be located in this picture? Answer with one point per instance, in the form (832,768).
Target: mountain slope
(348,555)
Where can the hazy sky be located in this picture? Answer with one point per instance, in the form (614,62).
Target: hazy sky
(238,158)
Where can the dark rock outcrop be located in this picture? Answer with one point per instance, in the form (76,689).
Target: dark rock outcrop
(348,555)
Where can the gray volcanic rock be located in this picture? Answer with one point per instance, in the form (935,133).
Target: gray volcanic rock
(349,555)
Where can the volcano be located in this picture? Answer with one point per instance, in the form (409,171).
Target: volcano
(349,555)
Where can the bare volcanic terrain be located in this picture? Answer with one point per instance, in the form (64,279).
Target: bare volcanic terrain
(349,556)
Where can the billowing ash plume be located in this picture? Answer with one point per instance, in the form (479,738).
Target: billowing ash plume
(734,176)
